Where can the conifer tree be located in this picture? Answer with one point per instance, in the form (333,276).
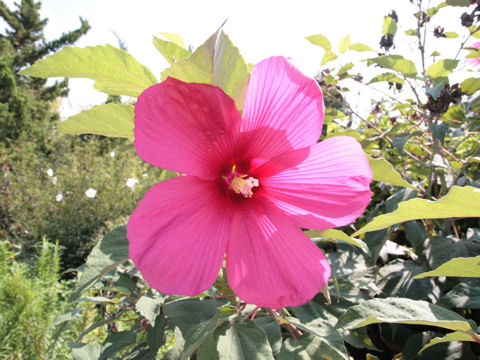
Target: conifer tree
(26,104)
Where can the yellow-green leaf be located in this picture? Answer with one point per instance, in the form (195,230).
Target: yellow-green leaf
(470,86)
(442,68)
(401,311)
(389,77)
(329,56)
(360,47)
(321,41)
(113,120)
(334,234)
(459,202)
(170,50)
(383,171)
(175,38)
(453,336)
(395,62)
(458,267)
(115,71)
(344,44)
(217,62)
(389,26)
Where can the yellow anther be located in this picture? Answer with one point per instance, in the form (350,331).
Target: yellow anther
(244,186)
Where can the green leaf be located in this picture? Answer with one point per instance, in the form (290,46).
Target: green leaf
(242,341)
(411,32)
(344,69)
(217,62)
(149,307)
(458,2)
(459,267)
(402,311)
(442,68)
(399,141)
(273,331)
(390,77)
(463,295)
(321,41)
(199,334)
(344,44)
(115,71)
(171,51)
(186,313)
(117,341)
(459,202)
(307,347)
(453,336)
(113,120)
(328,335)
(383,171)
(109,252)
(439,130)
(90,351)
(175,38)
(470,86)
(360,47)
(337,235)
(435,53)
(155,334)
(450,35)
(395,62)
(389,26)
(329,56)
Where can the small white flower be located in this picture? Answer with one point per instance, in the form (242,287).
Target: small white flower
(59,197)
(131,182)
(145,175)
(112,154)
(54,180)
(50,172)
(91,193)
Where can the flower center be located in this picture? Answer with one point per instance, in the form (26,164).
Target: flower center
(244,186)
(240,183)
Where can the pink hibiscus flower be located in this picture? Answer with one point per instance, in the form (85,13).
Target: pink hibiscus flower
(250,184)
(474,61)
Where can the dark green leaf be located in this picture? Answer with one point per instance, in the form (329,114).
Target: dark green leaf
(465,295)
(155,334)
(186,313)
(439,130)
(400,140)
(117,341)
(110,252)
(198,334)
(308,347)
(402,311)
(272,329)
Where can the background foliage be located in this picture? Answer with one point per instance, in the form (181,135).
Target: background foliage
(405,274)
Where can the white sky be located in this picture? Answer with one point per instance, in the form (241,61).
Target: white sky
(259,28)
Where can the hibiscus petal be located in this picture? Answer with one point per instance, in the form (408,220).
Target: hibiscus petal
(185,127)
(324,186)
(178,235)
(281,101)
(270,262)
